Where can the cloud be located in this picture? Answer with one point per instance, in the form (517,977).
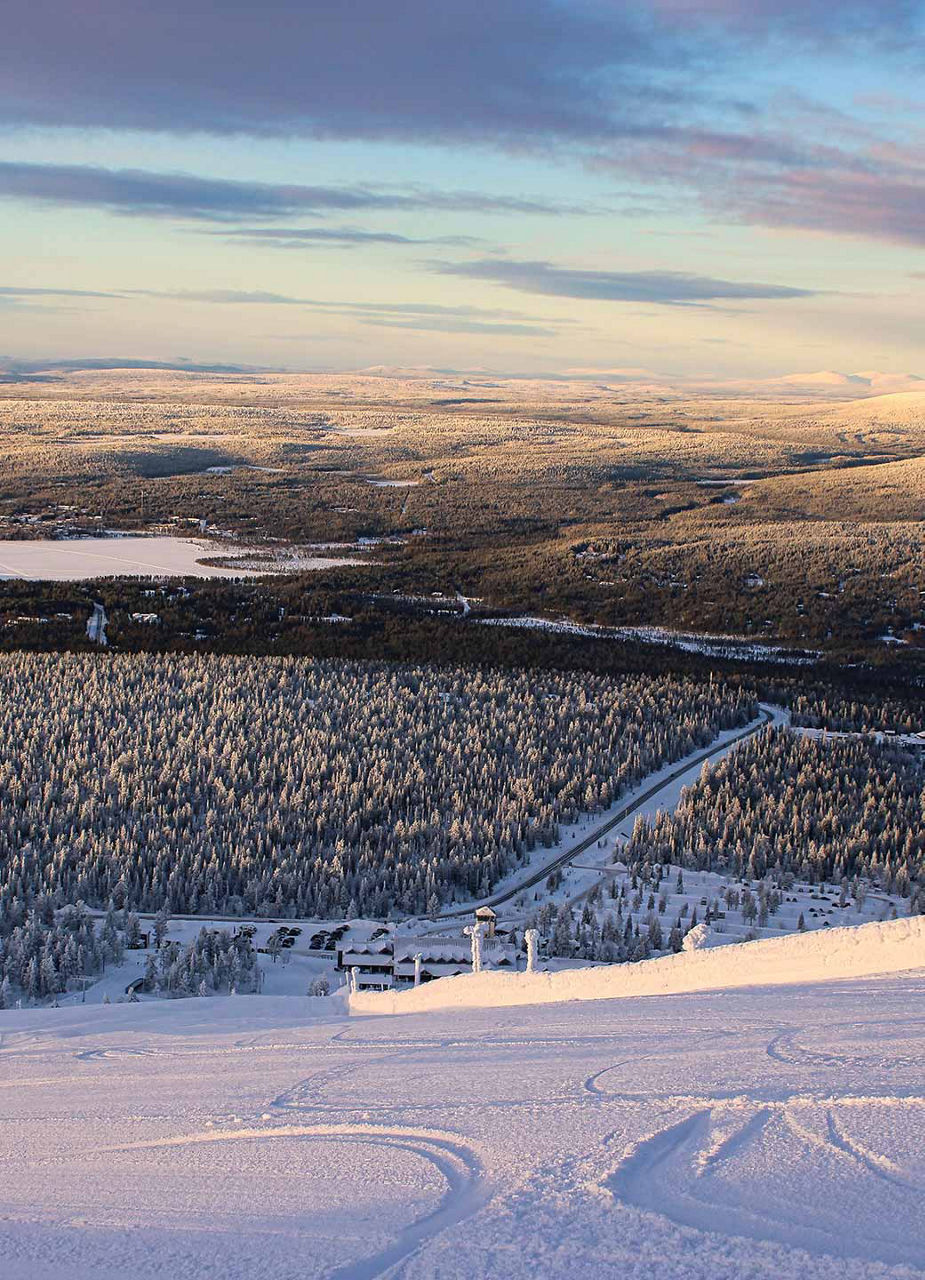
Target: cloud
(441,324)
(667,288)
(411,315)
(22,298)
(406,69)
(188,196)
(816,19)
(225,297)
(673,288)
(410,69)
(423,317)
(815,170)
(435,309)
(420,316)
(848,203)
(342,237)
(22,291)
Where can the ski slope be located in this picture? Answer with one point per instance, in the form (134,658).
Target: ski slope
(767,1131)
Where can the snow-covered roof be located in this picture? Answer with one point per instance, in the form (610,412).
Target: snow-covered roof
(436,969)
(351,958)
(367,947)
(456,950)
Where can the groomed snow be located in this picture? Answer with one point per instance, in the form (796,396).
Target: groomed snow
(773,1133)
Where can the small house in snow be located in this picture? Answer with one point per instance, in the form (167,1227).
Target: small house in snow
(485,915)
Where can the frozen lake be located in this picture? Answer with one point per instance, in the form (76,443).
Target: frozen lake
(75,559)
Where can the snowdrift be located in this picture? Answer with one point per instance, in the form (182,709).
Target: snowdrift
(861,951)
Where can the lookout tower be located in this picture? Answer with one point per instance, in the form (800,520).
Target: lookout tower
(486,917)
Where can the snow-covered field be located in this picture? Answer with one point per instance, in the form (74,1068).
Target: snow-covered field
(77,559)
(765,1132)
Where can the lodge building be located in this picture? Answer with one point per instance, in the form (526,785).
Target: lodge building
(380,964)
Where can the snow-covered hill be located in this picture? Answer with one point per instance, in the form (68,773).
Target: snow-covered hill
(767,1131)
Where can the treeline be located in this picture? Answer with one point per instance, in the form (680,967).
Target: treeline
(284,617)
(864,714)
(279,786)
(818,810)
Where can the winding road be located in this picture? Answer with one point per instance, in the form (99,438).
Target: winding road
(627,811)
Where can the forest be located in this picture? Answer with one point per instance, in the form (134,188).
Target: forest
(47,952)
(312,788)
(792,523)
(787,805)
(215,961)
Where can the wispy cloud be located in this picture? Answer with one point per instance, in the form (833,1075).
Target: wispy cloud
(23,291)
(423,317)
(341,237)
(20,298)
(189,196)
(226,297)
(666,288)
(420,316)
(447,324)
(397,314)
(849,202)
(816,170)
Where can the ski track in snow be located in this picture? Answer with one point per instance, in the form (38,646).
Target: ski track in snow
(92,1055)
(677,1174)
(785,1047)
(456,1162)
(700,1136)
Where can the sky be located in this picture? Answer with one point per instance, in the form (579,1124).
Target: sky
(716,189)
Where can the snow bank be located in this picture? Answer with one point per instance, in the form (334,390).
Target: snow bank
(859,952)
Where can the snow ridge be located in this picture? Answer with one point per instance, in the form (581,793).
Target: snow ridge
(862,951)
